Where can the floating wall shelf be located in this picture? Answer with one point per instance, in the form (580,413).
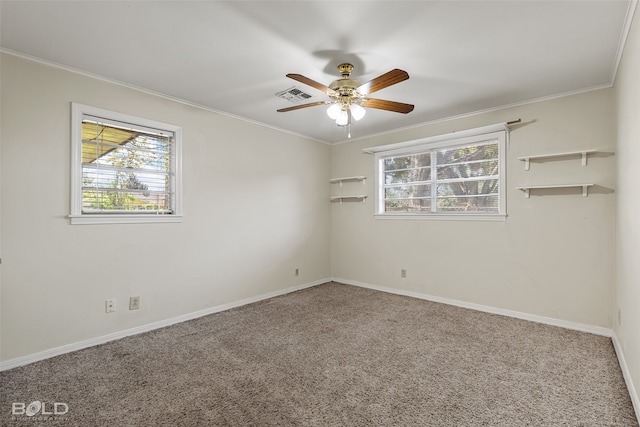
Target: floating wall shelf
(348,198)
(527,189)
(582,153)
(348,179)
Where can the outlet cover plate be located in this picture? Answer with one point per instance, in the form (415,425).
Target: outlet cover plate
(134,303)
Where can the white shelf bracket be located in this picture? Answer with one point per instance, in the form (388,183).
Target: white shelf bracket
(584,158)
(527,164)
(585,188)
(526,192)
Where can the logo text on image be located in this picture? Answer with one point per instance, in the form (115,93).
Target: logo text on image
(37,407)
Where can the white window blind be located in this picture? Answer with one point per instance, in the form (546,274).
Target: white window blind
(125,167)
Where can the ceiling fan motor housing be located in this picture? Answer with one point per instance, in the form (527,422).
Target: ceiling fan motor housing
(344,84)
(345,87)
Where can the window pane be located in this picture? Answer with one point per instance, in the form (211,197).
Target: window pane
(408,205)
(408,169)
(408,175)
(484,151)
(477,204)
(105,201)
(469,170)
(470,195)
(408,198)
(415,172)
(124,170)
(407,191)
(139,153)
(468,188)
(97,178)
(407,162)
(459,187)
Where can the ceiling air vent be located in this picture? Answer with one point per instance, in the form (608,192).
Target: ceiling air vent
(294,95)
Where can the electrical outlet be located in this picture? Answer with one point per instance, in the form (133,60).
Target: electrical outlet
(110,306)
(297,272)
(134,303)
(403,273)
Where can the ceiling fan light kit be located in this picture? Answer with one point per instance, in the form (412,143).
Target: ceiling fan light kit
(349,97)
(333,111)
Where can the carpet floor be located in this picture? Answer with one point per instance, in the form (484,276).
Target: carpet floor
(331,355)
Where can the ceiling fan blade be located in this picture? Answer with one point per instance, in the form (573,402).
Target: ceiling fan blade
(297,107)
(312,83)
(382,104)
(385,80)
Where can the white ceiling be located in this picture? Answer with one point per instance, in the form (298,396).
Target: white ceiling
(232,56)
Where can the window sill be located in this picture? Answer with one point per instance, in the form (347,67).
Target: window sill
(123,219)
(443,217)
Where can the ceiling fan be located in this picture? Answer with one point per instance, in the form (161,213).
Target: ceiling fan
(349,97)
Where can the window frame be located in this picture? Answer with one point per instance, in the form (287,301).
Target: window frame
(433,144)
(78,111)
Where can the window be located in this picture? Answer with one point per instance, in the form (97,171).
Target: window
(124,169)
(456,176)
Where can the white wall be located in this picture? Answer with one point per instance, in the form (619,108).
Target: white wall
(251,217)
(552,257)
(627,96)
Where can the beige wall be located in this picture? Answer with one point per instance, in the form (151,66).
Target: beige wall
(627,96)
(255,206)
(552,257)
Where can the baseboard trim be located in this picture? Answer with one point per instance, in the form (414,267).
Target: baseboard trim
(597,330)
(68,348)
(633,393)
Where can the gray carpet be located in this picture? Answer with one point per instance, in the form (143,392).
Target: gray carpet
(333,355)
